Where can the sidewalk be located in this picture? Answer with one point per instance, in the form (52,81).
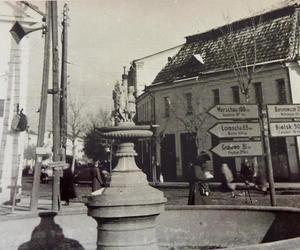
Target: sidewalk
(22,210)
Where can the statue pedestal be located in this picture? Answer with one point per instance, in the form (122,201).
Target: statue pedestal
(125,212)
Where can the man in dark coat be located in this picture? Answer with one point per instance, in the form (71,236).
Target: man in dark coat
(97,181)
(67,189)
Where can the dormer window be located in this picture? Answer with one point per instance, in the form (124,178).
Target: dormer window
(199,58)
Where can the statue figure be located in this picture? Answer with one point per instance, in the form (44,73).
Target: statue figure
(131,108)
(124,103)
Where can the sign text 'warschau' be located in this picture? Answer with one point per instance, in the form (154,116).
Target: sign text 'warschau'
(234,111)
(238,149)
(229,130)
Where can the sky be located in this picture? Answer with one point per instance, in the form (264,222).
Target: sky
(105,35)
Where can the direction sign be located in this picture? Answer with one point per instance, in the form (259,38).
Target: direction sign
(240,149)
(283,129)
(58,164)
(234,111)
(284,111)
(228,130)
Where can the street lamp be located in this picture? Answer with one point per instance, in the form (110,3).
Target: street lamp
(18,32)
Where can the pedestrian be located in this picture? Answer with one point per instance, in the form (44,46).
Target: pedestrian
(204,161)
(97,181)
(247,171)
(105,173)
(260,178)
(227,184)
(44,178)
(67,189)
(198,186)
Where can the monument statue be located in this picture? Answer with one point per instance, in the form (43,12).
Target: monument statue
(124,103)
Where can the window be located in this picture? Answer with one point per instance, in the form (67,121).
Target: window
(189,106)
(281,91)
(1,108)
(167,106)
(216,96)
(236,94)
(258,92)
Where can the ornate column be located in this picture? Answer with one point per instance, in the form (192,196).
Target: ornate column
(125,212)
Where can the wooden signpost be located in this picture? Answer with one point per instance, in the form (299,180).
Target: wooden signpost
(290,111)
(242,128)
(238,149)
(285,129)
(234,111)
(58,165)
(236,130)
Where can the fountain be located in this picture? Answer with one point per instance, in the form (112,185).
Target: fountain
(126,211)
(126,214)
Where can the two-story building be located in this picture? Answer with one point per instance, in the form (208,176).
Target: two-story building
(215,67)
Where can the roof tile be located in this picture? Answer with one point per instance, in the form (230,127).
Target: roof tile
(271,34)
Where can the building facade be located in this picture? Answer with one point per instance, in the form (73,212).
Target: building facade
(213,68)
(13,95)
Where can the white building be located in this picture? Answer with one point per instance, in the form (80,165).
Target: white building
(31,140)
(13,94)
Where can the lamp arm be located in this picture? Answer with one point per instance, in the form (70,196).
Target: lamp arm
(33,7)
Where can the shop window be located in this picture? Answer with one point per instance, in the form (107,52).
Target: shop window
(189,106)
(281,91)
(167,106)
(258,92)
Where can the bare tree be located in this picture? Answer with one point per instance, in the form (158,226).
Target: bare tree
(192,115)
(102,118)
(76,124)
(242,56)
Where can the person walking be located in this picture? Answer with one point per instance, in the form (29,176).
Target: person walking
(97,181)
(247,171)
(67,189)
(198,177)
(260,178)
(227,184)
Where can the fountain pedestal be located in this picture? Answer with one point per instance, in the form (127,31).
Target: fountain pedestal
(125,212)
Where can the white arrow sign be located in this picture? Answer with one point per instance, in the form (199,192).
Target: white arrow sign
(228,130)
(282,129)
(241,149)
(234,111)
(58,164)
(284,111)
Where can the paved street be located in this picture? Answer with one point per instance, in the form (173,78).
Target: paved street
(178,195)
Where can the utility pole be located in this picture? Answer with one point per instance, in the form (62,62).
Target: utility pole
(43,112)
(267,150)
(57,172)
(64,83)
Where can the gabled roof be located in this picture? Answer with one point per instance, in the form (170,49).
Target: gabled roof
(273,34)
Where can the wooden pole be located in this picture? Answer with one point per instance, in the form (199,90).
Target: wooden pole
(56,108)
(267,151)
(43,113)
(64,84)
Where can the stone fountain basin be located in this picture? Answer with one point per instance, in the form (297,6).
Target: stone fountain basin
(184,227)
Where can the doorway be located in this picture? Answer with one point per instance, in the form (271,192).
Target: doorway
(168,158)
